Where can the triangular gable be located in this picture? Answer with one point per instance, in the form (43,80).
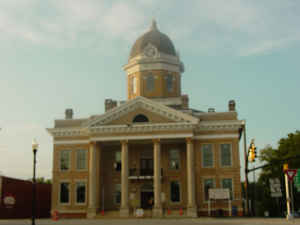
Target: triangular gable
(140,103)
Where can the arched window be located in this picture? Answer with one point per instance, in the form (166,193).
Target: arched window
(140,118)
(150,82)
(169,82)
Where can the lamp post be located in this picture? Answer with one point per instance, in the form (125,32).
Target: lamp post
(35,146)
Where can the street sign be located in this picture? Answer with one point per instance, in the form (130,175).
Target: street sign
(275,187)
(297,178)
(291,174)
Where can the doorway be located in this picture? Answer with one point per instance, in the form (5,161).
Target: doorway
(147,196)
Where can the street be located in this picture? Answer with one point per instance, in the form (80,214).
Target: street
(202,221)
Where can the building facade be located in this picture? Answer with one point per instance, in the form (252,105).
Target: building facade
(152,151)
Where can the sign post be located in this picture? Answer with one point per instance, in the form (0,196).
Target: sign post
(289,177)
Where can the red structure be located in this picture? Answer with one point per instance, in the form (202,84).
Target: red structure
(16,199)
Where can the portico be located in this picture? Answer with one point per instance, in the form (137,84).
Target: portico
(156,176)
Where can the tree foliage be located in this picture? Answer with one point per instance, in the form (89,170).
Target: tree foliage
(288,151)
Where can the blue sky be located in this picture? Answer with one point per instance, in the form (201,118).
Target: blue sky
(58,54)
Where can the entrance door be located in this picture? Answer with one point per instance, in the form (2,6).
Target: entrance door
(146,167)
(147,200)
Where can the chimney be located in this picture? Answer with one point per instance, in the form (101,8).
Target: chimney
(109,104)
(69,114)
(211,110)
(231,105)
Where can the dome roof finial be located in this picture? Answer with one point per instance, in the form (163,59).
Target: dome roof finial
(153,25)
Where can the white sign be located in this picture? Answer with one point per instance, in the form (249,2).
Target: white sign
(219,193)
(9,201)
(139,212)
(275,187)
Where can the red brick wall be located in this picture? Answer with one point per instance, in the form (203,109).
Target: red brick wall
(22,191)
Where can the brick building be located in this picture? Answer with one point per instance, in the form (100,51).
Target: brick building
(21,193)
(152,151)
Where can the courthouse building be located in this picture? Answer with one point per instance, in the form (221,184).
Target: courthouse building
(152,151)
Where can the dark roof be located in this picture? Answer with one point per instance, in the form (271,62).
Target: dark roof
(161,41)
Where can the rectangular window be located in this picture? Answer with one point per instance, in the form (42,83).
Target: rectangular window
(174,159)
(150,81)
(81,156)
(225,154)
(208,183)
(227,183)
(117,194)
(80,192)
(65,160)
(134,85)
(64,192)
(169,82)
(117,163)
(207,155)
(175,191)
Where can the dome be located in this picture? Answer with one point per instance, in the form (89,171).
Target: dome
(154,37)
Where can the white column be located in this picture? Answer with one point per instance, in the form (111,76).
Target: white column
(92,207)
(157,210)
(124,211)
(191,204)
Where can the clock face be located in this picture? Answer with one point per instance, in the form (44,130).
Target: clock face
(150,51)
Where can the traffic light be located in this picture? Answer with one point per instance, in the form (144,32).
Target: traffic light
(285,167)
(252,152)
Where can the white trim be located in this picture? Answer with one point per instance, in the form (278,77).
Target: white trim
(216,136)
(70,142)
(220,125)
(75,191)
(59,192)
(140,102)
(142,137)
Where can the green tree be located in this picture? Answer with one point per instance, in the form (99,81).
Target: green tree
(288,151)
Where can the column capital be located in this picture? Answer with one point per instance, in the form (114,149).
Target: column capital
(189,140)
(156,140)
(124,142)
(93,142)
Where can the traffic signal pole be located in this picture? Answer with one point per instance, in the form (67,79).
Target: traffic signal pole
(246,171)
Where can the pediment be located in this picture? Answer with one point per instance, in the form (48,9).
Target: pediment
(155,112)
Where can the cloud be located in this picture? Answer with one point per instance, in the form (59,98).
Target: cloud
(218,27)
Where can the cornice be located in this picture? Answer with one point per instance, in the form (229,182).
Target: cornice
(117,129)
(159,62)
(142,128)
(68,132)
(220,125)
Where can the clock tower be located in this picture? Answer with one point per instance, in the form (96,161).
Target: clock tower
(154,68)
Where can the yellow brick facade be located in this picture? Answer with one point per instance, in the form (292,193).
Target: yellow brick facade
(141,174)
